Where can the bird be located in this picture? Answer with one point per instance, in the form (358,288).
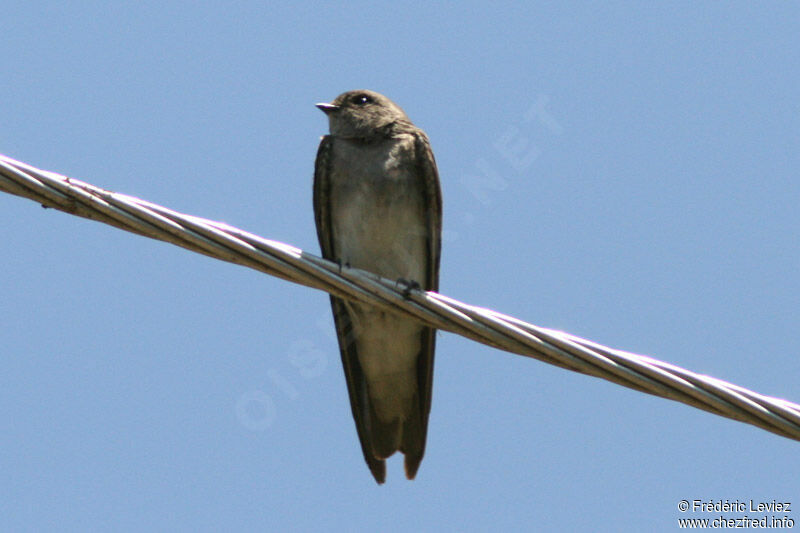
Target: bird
(378,207)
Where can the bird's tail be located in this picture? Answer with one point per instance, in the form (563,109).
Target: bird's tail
(406,436)
(413,438)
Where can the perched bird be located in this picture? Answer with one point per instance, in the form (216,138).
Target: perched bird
(378,207)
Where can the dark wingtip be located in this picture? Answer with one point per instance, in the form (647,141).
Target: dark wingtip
(378,469)
(411,464)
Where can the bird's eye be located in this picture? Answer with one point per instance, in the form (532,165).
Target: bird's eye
(361,99)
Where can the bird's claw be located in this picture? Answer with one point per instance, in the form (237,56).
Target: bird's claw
(339,262)
(409,286)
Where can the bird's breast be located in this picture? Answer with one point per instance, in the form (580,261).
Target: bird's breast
(377,208)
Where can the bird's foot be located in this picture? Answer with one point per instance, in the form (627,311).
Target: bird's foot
(409,286)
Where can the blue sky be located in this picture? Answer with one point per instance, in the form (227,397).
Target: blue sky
(648,201)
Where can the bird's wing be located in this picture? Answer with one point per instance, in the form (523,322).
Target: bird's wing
(414,441)
(356,385)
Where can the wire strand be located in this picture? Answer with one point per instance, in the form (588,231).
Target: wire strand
(227,243)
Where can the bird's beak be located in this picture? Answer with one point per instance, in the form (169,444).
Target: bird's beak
(327,108)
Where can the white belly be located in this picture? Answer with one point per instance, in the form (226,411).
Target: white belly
(379,224)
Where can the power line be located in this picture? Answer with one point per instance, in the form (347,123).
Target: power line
(234,245)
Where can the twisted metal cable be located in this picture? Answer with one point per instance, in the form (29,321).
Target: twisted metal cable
(221,241)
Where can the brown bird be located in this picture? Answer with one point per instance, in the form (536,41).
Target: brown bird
(378,207)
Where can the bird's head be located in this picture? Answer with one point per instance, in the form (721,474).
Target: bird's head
(363,115)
